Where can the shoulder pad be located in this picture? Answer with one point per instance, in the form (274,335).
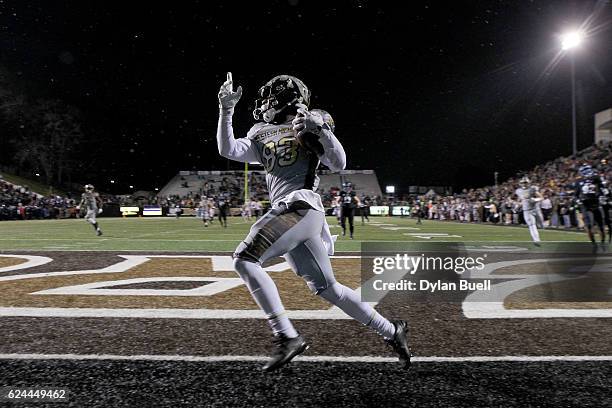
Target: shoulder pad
(327,118)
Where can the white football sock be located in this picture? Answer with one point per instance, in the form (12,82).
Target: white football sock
(265,293)
(535,235)
(348,300)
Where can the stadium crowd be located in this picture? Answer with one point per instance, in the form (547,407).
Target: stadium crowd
(499,204)
(18,202)
(490,204)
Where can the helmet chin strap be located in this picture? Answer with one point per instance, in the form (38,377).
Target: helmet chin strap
(269,115)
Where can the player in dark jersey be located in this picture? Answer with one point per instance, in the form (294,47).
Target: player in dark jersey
(588,190)
(605,200)
(349,202)
(418,211)
(223,208)
(365,210)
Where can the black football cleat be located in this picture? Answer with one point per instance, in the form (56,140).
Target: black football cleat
(286,349)
(399,342)
(99,232)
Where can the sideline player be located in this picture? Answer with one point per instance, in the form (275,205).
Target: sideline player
(223,209)
(349,201)
(91,202)
(605,200)
(418,211)
(245,211)
(530,197)
(290,141)
(204,210)
(588,191)
(365,210)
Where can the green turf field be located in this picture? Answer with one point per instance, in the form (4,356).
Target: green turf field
(189,234)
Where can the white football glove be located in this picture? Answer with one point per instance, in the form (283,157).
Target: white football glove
(99,211)
(307,122)
(227,97)
(78,207)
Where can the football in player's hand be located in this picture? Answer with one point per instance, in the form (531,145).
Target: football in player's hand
(310,142)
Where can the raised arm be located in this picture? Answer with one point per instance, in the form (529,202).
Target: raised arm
(241,149)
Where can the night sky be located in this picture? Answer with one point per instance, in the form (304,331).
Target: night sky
(440,93)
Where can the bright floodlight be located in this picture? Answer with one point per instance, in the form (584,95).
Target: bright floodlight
(571,40)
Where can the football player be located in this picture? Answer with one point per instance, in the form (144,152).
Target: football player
(336,207)
(91,202)
(588,190)
(203,211)
(349,201)
(223,207)
(530,197)
(211,210)
(290,141)
(365,209)
(605,199)
(419,212)
(178,211)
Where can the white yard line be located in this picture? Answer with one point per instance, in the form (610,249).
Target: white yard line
(121,239)
(339,359)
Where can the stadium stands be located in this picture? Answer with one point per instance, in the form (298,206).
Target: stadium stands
(20,203)
(364,182)
(212,183)
(192,184)
(498,204)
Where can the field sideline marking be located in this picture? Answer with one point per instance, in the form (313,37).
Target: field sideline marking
(339,359)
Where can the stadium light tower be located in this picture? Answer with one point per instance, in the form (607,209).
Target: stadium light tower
(569,42)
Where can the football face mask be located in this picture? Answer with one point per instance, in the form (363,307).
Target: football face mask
(280,95)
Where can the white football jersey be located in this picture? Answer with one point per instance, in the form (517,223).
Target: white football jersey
(88,200)
(527,197)
(291,171)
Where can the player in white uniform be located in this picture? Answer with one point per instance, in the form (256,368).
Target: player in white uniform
(89,202)
(211,210)
(246,212)
(530,198)
(255,207)
(290,142)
